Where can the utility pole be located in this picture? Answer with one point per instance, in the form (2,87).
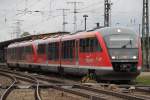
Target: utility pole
(145,32)
(64,17)
(18,29)
(75,12)
(139,30)
(50,7)
(51,2)
(13,32)
(107,8)
(85,18)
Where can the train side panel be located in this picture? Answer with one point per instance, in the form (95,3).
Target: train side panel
(94,56)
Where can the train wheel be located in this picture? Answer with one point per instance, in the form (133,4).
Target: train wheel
(61,71)
(38,68)
(8,65)
(128,82)
(11,68)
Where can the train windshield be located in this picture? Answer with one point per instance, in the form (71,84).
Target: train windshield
(121,41)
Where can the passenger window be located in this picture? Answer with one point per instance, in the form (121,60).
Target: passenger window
(22,52)
(68,49)
(19,52)
(13,53)
(53,51)
(89,45)
(28,49)
(41,48)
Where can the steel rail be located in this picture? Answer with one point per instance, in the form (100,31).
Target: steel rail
(82,94)
(117,94)
(37,90)
(10,88)
(20,76)
(31,79)
(35,81)
(49,80)
(145,89)
(79,93)
(100,91)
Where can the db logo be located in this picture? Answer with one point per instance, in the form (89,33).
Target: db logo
(99,59)
(88,60)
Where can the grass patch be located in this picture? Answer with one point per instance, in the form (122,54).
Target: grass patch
(143,80)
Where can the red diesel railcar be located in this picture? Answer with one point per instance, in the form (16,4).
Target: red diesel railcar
(110,53)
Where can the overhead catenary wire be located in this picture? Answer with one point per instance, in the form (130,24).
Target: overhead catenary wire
(38,24)
(64,18)
(75,13)
(41,22)
(91,5)
(53,11)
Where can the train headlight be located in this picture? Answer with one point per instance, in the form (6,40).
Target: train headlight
(113,57)
(134,57)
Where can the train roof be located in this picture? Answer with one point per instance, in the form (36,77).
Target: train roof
(18,44)
(78,35)
(103,31)
(48,39)
(38,41)
(115,30)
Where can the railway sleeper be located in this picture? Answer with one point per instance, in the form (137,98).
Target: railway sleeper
(113,93)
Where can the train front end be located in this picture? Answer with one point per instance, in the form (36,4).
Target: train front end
(124,49)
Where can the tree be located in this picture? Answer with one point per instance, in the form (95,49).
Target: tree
(24,34)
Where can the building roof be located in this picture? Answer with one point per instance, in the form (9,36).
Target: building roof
(31,37)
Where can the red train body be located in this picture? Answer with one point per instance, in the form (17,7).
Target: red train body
(111,53)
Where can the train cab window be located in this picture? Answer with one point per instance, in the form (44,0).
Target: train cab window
(41,48)
(53,51)
(68,49)
(89,45)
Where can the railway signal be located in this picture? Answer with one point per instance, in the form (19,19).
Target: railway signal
(107,8)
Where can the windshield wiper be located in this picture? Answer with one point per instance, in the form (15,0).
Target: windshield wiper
(124,46)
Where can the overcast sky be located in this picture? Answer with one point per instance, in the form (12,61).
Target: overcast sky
(124,13)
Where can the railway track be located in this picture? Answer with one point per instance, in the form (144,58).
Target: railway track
(84,91)
(10,88)
(27,78)
(42,78)
(113,93)
(37,90)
